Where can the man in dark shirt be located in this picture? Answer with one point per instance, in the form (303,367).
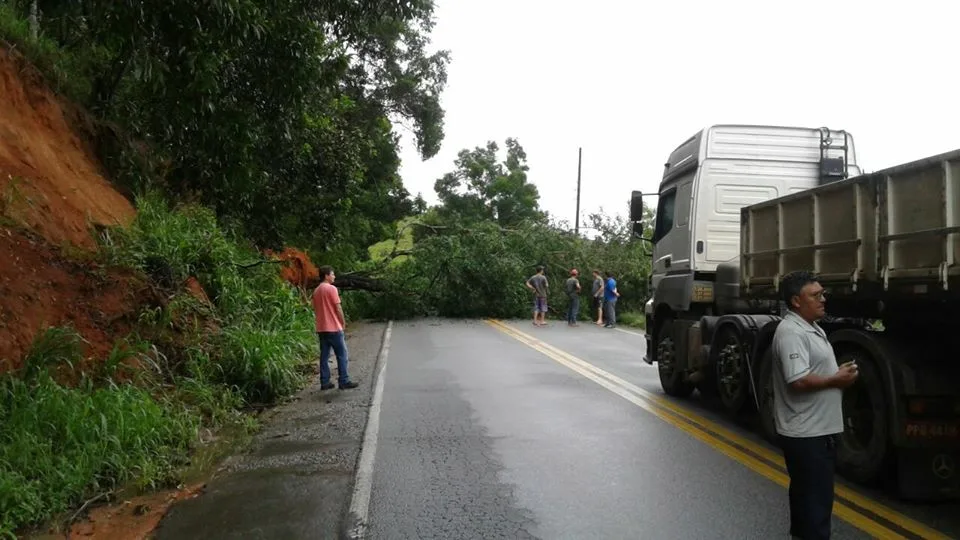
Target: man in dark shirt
(539,285)
(596,295)
(572,287)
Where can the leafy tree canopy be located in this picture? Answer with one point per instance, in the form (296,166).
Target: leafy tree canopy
(483,188)
(279,115)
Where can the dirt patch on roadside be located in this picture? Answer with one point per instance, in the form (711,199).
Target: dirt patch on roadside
(131,519)
(39,288)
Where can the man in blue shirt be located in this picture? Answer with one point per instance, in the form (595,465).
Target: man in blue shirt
(610,296)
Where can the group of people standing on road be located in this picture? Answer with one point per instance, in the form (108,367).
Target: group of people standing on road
(330,321)
(603,296)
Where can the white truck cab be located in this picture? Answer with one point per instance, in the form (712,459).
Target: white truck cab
(715,173)
(706,181)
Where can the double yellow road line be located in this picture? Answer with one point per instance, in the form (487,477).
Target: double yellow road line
(866,514)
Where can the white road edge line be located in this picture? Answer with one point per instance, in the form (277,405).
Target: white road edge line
(360,502)
(629,332)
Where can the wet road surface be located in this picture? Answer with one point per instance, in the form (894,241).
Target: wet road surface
(296,477)
(490,430)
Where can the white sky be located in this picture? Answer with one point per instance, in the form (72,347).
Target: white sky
(630,80)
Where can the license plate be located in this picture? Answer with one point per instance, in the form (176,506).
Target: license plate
(933,430)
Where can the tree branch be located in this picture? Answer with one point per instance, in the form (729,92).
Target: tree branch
(84,507)
(457,228)
(258,263)
(359,281)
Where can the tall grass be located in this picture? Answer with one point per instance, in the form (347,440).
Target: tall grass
(59,444)
(263,333)
(194,365)
(632,318)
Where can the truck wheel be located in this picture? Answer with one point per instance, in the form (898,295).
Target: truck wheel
(671,378)
(863,448)
(732,372)
(768,426)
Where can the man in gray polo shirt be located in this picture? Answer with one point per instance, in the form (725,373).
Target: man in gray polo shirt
(808,391)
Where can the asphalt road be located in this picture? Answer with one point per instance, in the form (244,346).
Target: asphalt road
(295,478)
(484,432)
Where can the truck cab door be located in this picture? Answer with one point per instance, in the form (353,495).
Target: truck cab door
(671,265)
(671,234)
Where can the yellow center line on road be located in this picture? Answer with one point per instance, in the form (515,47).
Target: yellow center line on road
(727,442)
(775,458)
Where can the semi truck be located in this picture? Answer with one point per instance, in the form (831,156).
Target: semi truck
(739,207)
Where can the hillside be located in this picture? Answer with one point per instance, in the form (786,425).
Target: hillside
(51,182)
(53,195)
(114,376)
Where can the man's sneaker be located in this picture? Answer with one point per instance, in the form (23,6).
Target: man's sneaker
(328,386)
(349,384)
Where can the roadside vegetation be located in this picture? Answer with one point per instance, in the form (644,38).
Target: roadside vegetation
(75,430)
(240,127)
(633,319)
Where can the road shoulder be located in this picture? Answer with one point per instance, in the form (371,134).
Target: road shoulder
(296,478)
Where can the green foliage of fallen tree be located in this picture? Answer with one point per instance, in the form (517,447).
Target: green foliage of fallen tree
(470,255)
(480,271)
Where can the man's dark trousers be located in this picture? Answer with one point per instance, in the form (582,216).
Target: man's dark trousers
(811,462)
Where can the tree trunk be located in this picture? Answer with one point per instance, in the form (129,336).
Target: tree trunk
(33,20)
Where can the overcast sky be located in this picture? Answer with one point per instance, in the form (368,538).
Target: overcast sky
(629,81)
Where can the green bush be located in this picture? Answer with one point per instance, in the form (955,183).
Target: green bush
(60,444)
(632,318)
(264,331)
(262,362)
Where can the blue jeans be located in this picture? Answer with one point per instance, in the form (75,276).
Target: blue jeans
(573,309)
(335,341)
(610,311)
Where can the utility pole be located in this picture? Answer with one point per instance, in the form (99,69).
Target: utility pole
(576,226)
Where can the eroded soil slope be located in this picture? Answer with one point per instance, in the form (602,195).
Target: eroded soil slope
(40,288)
(52,191)
(49,180)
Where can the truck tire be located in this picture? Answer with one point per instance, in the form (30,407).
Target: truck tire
(864,445)
(768,426)
(731,369)
(671,378)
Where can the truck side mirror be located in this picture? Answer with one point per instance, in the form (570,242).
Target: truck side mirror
(638,229)
(636,206)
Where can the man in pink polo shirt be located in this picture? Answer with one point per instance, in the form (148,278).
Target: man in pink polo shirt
(330,324)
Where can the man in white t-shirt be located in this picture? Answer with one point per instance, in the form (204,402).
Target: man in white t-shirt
(808,411)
